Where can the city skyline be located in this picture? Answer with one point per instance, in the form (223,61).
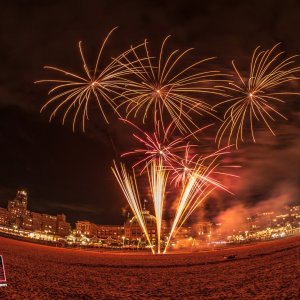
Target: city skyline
(235,218)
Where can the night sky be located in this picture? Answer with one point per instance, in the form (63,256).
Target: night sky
(70,172)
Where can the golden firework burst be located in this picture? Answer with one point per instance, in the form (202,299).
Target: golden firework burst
(253,99)
(159,84)
(74,93)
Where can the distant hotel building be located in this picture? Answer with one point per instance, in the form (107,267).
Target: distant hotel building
(131,231)
(115,232)
(103,232)
(18,217)
(87,228)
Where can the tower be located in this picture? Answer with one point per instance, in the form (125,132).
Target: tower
(22,199)
(18,208)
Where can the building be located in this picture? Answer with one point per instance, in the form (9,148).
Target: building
(133,230)
(106,233)
(27,221)
(63,228)
(36,221)
(260,220)
(4,217)
(49,223)
(20,201)
(17,209)
(18,217)
(87,228)
(115,232)
(46,223)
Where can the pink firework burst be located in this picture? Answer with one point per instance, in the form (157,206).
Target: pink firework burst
(159,146)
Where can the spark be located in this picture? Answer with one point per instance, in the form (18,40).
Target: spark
(157,87)
(253,99)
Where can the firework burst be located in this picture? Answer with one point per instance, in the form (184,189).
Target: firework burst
(74,93)
(159,146)
(160,87)
(253,99)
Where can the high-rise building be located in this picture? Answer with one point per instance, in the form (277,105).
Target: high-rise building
(18,216)
(20,201)
(17,209)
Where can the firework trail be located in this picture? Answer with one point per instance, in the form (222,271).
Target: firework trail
(192,196)
(158,181)
(74,93)
(160,85)
(199,185)
(128,185)
(253,99)
(159,145)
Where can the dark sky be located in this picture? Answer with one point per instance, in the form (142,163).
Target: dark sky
(70,172)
